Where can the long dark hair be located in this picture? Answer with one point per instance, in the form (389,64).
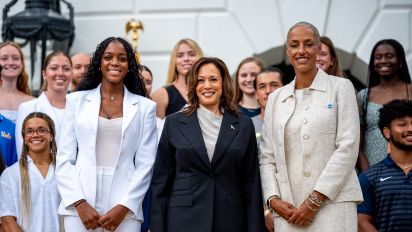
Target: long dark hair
(132,80)
(373,76)
(227,100)
(403,71)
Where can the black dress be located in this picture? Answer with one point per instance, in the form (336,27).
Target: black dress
(176,100)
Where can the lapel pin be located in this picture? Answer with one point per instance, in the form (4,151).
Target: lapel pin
(231,127)
(330,106)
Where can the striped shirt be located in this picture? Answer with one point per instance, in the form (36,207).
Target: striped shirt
(387,194)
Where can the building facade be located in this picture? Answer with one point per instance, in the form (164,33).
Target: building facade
(235,29)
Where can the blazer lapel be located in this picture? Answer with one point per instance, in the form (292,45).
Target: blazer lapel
(193,133)
(93,104)
(228,131)
(130,103)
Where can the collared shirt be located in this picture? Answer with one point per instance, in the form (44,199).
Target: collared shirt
(387,194)
(7,141)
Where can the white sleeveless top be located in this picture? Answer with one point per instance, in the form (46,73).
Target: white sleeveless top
(9,114)
(109,136)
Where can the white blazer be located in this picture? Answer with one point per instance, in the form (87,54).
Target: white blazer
(40,104)
(76,156)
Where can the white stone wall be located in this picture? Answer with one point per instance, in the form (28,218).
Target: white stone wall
(235,29)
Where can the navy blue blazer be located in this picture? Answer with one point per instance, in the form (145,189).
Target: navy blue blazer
(190,193)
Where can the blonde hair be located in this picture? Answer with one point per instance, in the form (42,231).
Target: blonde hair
(172,71)
(23,78)
(24,171)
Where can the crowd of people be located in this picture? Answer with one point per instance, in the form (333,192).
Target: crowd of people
(97,151)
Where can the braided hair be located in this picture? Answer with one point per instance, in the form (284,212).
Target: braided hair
(24,170)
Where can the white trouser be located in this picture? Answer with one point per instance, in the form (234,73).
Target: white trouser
(104,179)
(74,224)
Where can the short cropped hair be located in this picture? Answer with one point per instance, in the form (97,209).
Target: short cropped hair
(395,109)
(269,70)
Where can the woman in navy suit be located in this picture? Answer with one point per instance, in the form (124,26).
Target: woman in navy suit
(206,174)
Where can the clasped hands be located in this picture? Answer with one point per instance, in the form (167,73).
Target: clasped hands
(301,216)
(91,219)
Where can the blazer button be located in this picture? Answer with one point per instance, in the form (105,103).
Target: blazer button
(306,137)
(305,121)
(307,174)
(306,107)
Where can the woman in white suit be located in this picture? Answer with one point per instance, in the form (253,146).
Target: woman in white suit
(57,74)
(108,144)
(310,143)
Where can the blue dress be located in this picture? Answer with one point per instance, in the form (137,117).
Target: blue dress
(375,145)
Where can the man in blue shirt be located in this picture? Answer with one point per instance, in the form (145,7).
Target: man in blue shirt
(7,141)
(387,185)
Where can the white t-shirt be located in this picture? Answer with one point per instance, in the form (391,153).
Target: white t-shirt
(45,198)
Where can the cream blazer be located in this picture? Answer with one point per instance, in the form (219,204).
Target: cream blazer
(76,158)
(330,140)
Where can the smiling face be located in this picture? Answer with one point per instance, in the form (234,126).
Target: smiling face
(185,58)
(386,60)
(11,61)
(324,58)
(247,74)
(114,63)
(58,73)
(209,87)
(400,133)
(302,49)
(37,135)
(266,83)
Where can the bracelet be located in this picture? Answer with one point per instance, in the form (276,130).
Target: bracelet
(311,209)
(316,200)
(313,202)
(79,202)
(269,199)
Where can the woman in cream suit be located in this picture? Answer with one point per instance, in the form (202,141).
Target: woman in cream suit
(309,144)
(108,144)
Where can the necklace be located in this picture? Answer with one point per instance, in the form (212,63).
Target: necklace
(406,167)
(111,98)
